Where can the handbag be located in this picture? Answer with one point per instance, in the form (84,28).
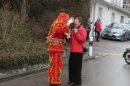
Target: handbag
(85,49)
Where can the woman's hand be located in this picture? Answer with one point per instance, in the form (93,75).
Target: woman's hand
(75,31)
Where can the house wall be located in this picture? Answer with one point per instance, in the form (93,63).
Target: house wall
(106,14)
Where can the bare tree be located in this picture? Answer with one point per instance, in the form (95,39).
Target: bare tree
(25,5)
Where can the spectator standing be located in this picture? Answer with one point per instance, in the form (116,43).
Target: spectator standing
(98,29)
(88,28)
(95,29)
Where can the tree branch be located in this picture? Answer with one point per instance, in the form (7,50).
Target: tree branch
(34,2)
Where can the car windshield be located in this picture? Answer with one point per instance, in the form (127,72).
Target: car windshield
(117,26)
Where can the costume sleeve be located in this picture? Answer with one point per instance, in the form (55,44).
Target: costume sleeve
(81,36)
(65,29)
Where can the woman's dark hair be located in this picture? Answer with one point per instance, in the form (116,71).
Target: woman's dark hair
(80,19)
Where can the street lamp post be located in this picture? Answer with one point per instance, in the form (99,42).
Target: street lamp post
(92,35)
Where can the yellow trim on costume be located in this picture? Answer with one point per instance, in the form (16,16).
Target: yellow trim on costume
(60,70)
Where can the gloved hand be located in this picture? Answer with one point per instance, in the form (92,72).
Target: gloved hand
(71,20)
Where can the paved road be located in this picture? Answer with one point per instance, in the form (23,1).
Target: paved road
(106,71)
(110,70)
(107,47)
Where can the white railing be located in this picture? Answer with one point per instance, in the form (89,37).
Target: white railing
(126,4)
(122,3)
(117,2)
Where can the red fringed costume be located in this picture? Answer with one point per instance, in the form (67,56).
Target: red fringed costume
(56,40)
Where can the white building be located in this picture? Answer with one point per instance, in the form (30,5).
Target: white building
(110,11)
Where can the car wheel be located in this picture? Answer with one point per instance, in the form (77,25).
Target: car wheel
(127,58)
(128,39)
(123,38)
(102,37)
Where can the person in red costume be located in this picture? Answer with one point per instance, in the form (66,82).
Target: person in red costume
(56,40)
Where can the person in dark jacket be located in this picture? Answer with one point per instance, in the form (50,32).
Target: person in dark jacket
(88,28)
(77,40)
(95,29)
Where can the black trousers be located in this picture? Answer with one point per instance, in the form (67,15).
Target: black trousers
(75,67)
(98,35)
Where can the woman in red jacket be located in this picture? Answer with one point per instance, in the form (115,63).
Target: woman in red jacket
(77,38)
(98,29)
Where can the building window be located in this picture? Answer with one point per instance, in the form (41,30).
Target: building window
(100,13)
(122,19)
(113,17)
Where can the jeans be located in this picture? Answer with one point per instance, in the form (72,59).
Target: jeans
(98,36)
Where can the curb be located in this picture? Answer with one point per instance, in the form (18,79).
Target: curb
(15,76)
(8,78)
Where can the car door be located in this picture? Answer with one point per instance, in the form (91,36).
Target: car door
(127,31)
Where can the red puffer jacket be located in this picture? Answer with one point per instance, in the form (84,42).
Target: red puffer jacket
(99,26)
(81,37)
